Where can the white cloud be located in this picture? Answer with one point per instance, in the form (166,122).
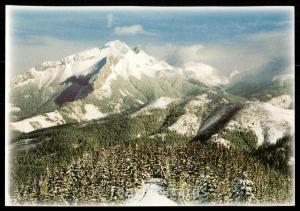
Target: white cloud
(109,18)
(233,74)
(130,30)
(256,51)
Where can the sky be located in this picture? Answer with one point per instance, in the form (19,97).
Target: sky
(228,39)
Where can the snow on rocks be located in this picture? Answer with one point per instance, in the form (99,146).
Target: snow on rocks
(283,101)
(41,121)
(106,87)
(128,93)
(137,65)
(161,103)
(160,135)
(291,161)
(55,118)
(283,77)
(81,112)
(139,101)
(188,123)
(75,111)
(268,122)
(122,93)
(92,112)
(118,107)
(224,100)
(216,139)
(12,108)
(55,72)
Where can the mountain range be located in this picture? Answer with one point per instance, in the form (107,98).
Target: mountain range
(99,82)
(109,124)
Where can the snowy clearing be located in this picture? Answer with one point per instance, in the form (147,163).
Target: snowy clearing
(150,195)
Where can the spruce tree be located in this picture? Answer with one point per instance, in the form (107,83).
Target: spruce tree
(207,186)
(243,190)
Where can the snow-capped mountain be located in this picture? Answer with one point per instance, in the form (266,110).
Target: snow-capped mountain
(102,81)
(128,64)
(108,80)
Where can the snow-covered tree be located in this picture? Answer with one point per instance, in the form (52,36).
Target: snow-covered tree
(207,186)
(243,190)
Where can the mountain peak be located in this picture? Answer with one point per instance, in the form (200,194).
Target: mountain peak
(137,49)
(118,45)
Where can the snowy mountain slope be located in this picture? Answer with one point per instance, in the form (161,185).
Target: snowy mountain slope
(101,81)
(283,78)
(283,101)
(161,103)
(273,79)
(96,74)
(205,73)
(189,122)
(75,112)
(268,122)
(129,64)
(38,122)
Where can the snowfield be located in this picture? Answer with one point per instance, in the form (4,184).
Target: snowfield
(188,123)
(268,122)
